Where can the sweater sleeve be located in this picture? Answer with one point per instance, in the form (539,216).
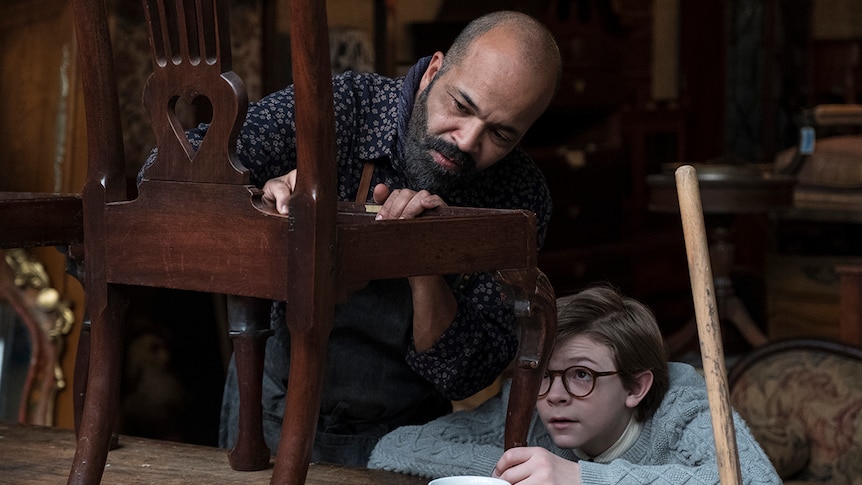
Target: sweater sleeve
(461,443)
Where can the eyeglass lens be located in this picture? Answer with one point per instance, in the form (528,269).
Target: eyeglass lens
(578,381)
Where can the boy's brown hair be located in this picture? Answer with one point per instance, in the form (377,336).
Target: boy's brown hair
(628,328)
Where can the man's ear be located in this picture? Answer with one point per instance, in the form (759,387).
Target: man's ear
(431,71)
(643,383)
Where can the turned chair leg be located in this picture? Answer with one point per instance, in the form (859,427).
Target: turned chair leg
(74,267)
(535,308)
(302,409)
(82,366)
(248,319)
(850,291)
(97,424)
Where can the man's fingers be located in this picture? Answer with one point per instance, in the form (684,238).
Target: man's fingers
(407,204)
(381,193)
(277,191)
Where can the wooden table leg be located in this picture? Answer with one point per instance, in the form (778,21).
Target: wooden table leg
(850,290)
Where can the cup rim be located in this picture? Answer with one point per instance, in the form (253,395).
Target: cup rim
(468,480)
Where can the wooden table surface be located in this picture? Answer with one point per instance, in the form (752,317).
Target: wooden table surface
(41,455)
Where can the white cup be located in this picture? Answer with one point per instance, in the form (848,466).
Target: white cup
(468,480)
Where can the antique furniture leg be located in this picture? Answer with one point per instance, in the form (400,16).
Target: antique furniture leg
(249,329)
(311,261)
(75,268)
(99,416)
(536,312)
(850,306)
(105,183)
(82,367)
(307,354)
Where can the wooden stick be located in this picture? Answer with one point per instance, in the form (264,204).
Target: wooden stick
(708,326)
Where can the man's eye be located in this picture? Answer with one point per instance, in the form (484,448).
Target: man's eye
(458,105)
(499,136)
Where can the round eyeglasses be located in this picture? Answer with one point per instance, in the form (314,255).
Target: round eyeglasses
(579,381)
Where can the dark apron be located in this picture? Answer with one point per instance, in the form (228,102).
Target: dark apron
(368,388)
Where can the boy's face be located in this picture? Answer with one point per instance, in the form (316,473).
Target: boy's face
(592,423)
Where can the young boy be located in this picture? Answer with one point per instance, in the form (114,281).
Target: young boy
(611,409)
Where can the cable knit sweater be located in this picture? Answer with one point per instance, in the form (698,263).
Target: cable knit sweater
(675,446)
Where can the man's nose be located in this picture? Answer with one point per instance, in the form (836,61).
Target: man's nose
(468,137)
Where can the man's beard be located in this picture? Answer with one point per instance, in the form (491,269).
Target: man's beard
(419,166)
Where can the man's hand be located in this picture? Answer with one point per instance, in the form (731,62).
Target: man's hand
(536,466)
(404,203)
(277,191)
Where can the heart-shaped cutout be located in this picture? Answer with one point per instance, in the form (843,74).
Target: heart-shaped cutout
(185,115)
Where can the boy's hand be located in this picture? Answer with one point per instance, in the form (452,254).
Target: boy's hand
(536,466)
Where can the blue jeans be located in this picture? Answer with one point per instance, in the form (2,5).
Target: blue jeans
(368,387)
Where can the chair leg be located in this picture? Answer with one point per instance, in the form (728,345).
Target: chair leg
(536,310)
(99,414)
(249,328)
(75,268)
(850,306)
(82,367)
(302,410)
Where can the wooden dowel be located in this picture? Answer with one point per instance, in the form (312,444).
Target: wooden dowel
(708,326)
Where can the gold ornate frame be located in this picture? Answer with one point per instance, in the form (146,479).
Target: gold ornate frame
(25,285)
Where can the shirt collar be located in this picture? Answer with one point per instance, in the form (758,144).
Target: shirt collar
(623,443)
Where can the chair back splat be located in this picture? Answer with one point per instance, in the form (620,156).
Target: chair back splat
(173,235)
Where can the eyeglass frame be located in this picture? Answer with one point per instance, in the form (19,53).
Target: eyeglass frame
(552,374)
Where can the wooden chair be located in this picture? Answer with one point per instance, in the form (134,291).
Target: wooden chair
(173,234)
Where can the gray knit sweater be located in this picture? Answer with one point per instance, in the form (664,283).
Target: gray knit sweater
(676,445)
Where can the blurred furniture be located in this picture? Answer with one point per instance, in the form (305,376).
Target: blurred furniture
(802,400)
(819,239)
(41,319)
(29,220)
(173,234)
(726,190)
